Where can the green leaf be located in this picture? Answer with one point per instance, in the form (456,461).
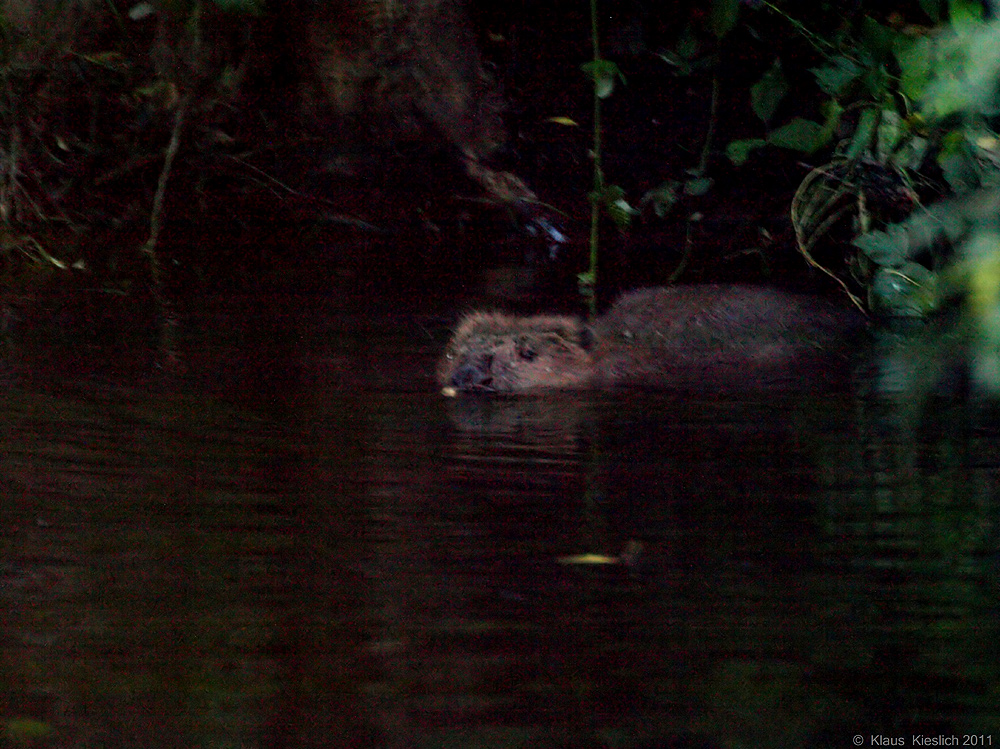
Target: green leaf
(739,151)
(891,131)
(944,221)
(698,186)
(982,70)
(799,135)
(911,154)
(965,74)
(864,134)
(687,44)
(899,243)
(877,82)
(908,291)
(723,18)
(601,68)
(610,194)
(767,93)
(611,198)
(603,73)
(834,77)
(887,249)
(965,15)
(914,59)
(945,97)
(140,11)
(832,110)
(604,87)
(877,42)
(933,9)
(683,56)
(621,213)
(957,163)
(662,198)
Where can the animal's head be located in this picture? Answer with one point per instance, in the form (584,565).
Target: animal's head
(499,353)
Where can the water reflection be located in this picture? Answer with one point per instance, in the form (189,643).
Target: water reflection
(319,558)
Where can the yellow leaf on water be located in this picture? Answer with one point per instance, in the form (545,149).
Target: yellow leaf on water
(589,559)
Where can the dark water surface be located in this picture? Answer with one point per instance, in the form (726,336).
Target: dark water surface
(300,543)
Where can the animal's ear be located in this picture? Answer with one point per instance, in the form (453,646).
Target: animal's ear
(564,328)
(573,331)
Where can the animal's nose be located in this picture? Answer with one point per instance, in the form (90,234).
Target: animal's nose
(474,376)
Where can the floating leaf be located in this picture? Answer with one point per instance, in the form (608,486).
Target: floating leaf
(589,559)
(563,121)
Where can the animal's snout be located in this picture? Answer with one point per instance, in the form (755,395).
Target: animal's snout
(475,375)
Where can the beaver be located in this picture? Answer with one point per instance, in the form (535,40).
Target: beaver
(680,336)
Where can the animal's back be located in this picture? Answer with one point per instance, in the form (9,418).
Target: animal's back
(717,336)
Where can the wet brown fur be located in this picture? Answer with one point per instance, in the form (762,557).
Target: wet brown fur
(713,336)
(509,354)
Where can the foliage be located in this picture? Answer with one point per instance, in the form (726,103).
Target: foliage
(697,49)
(604,198)
(608,199)
(909,113)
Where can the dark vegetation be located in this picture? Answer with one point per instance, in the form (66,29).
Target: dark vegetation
(151,150)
